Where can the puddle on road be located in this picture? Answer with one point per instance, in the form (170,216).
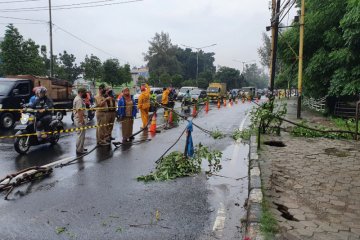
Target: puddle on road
(228,190)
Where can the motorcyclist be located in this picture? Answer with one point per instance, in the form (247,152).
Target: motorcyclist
(44,115)
(187,100)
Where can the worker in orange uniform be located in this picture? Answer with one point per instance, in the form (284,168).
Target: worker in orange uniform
(165,101)
(144,104)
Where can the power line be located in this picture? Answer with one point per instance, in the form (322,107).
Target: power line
(63,5)
(19,1)
(87,43)
(69,6)
(18,23)
(25,19)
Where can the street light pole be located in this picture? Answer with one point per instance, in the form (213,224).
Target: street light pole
(51,43)
(197,57)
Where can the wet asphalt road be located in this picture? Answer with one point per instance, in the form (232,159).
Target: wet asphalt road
(99,197)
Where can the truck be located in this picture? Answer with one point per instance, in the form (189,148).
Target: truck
(16,89)
(216,91)
(250,93)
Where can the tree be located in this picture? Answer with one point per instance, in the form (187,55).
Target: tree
(92,68)
(265,51)
(161,55)
(111,72)
(253,76)
(66,68)
(32,61)
(19,56)
(230,76)
(125,74)
(177,80)
(331,49)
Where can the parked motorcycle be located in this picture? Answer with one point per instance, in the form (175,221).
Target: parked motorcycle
(28,125)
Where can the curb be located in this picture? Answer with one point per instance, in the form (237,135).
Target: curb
(255,197)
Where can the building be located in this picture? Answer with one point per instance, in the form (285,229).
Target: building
(137,72)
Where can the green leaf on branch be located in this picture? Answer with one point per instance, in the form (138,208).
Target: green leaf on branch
(176,165)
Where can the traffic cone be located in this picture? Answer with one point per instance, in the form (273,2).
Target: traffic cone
(218,105)
(166,114)
(153,124)
(236,101)
(194,111)
(224,102)
(207,107)
(170,117)
(231,102)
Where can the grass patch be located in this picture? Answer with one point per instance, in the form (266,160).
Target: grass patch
(217,134)
(268,224)
(244,134)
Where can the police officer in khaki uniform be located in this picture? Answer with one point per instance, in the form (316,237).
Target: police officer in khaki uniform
(101,117)
(110,114)
(80,117)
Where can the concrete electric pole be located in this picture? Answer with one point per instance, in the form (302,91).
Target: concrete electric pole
(301,52)
(51,43)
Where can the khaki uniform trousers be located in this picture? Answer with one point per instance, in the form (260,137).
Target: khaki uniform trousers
(111,116)
(80,137)
(101,132)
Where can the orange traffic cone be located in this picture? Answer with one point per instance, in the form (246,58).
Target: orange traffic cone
(218,105)
(224,102)
(231,102)
(194,111)
(207,107)
(153,124)
(170,117)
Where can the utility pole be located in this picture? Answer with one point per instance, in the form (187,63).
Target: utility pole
(51,43)
(301,52)
(275,36)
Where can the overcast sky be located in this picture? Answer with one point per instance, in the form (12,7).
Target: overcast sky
(125,29)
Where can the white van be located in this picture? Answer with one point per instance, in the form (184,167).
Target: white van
(182,92)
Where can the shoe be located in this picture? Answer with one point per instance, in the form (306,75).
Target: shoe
(81,153)
(85,150)
(131,138)
(125,140)
(111,138)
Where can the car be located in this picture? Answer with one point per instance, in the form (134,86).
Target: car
(198,95)
(182,92)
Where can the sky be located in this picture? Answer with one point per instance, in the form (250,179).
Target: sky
(123,30)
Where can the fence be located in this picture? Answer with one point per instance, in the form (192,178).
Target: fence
(315,104)
(345,110)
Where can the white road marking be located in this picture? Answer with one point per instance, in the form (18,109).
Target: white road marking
(220,219)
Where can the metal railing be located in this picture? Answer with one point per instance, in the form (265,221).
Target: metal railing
(315,104)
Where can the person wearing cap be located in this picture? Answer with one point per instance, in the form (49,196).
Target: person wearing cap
(110,114)
(144,104)
(102,106)
(80,117)
(127,112)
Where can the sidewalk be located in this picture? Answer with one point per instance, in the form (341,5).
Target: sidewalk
(312,184)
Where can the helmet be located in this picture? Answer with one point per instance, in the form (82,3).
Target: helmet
(41,90)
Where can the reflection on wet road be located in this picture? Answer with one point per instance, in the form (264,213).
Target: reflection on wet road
(99,193)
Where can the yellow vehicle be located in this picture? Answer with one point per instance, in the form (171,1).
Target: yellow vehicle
(250,93)
(216,91)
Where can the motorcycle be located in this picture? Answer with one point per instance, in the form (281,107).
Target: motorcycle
(27,125)
(185,105)
(90,113)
